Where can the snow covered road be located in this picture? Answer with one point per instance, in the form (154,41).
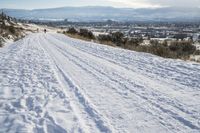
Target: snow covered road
(50,83)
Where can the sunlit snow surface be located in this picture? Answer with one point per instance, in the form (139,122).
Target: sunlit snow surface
(50,83)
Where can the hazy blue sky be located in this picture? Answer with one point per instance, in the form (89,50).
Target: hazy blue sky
(33,4)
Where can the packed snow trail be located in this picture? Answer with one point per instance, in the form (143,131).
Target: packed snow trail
(50,83)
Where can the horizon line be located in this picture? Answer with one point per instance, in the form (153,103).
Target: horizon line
(93,6)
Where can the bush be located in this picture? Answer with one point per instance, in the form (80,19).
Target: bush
(132,43)
(164,43)
(161,50)
(197,52)
(117,38)
(12,29)
(104,38)
(182,48)
(3,25)
(157,49)
(72,31)
(1,43)
(174,46)
(188,48)
(154,42)
(87,34)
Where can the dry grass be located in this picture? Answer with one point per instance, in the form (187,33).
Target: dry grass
(1,45)
(109,43)
(76,36)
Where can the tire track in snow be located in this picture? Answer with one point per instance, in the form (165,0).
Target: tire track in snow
(37,86)
(30,82)
(163,109)
(142,77)
(155,71)
(100,121)
(56,69)
(174,115)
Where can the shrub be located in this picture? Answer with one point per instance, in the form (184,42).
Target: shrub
(188,48)
(174,46)
(104,38)
(165,43)
(132,43)
(161,50)
(87,34)
(72,31)
(156,48)
(12,29)
(182,48)
(1,43)
(117,38)
(3,25)
(197,52)
(154,42)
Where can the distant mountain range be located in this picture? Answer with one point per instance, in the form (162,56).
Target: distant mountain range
(96,13)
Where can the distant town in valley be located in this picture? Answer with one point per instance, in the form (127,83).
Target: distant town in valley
(147,32)
(162,31)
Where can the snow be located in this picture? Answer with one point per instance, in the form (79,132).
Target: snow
(96,33)
(33,28)
(197,45)
(53,83)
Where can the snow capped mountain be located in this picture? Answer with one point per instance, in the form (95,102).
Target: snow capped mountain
(91,13)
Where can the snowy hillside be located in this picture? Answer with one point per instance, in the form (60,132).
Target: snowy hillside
(12,30)
(99,13)
(55,84)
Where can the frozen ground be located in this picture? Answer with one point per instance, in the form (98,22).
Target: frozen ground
(55,84)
